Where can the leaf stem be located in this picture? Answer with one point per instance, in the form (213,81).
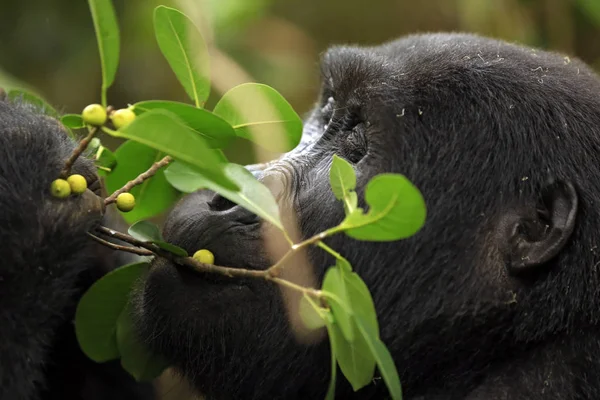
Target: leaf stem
(275,270)
(328,249)
(139,180)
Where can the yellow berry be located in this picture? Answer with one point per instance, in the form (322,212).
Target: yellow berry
(60,188)
(204,256)
(94,114)
(122,117)
(78,183)
(125,202)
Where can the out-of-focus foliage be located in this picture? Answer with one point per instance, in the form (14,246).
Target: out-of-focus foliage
(49,45)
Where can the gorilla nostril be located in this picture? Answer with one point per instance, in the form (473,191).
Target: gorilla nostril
(220,203)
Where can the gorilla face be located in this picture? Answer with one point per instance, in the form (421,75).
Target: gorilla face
(501,140)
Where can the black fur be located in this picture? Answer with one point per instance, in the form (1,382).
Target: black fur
(481,127)
(47,263)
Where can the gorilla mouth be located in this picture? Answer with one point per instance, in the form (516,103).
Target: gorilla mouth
(168,280)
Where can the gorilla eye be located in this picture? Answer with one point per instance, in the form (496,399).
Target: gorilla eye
(354,145)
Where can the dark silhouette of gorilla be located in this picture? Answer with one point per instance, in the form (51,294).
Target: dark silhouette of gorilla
(497,297)
(47,263)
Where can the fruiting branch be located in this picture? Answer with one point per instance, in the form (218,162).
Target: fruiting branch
(139,180)
(197,266)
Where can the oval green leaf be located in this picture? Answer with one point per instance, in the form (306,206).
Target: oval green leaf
(331,390)
(216,131)
(342,177)
(107,35)
(99,309)
(145,231)
(164,131)
(135,356)
(355,358)
(154,195)
(396,211)
(185,50)
(252,195)
(259,113)
(171,248)
(385,362)
(73,121)
(311,313)
(148,232)
(340,303)
(360,299)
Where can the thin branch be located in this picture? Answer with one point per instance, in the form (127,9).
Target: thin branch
(126,238)
(139,180)
(186,261)
(129,249)
(275,270)
(77,152)
(270,274)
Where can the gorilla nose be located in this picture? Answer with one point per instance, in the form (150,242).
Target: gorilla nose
(220,203)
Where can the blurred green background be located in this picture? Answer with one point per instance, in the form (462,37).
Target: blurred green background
(49,45)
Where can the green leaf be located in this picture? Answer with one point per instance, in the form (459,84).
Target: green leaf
(135,356)
(216,131)
(36,101)
(331,391)
(342,180)
(350,203)
(145,231)
(355,358)
(171,248)
(154,195)
(73,121)
(351,290)
(384,360)
(148,232)
(164,131)
(185,50)
(349,298)
(253,195)
(107,35)
(396,211)
(260,114)
(106,160)
(311,314)
(341,177)
(361,301)
(99,309)
(340,304)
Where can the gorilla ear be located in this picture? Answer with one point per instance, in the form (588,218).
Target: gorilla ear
(532,242)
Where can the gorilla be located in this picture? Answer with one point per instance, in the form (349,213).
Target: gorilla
(48,261)
(496,297)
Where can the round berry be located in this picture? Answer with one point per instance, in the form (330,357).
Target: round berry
(94,114)
(125,202)
(122,117)
(78,183)
(60,188)
(204,256)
